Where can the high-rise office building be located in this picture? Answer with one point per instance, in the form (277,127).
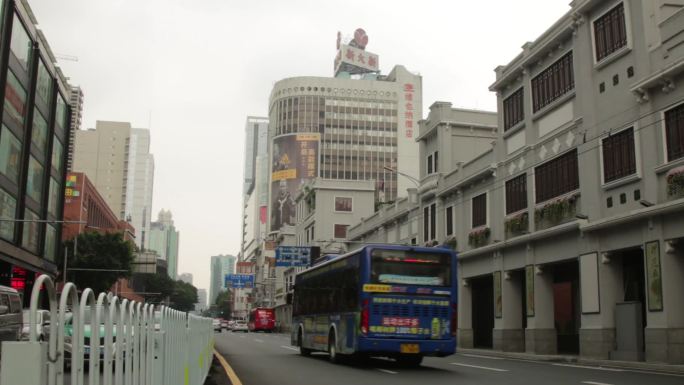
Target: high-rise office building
(358,125)
(163,238)
(201,300)
(255,185)
(34,136)
(117,159)
(76,103)
(220,266)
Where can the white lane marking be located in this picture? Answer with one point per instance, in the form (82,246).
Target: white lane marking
(479,356)
(289,347)
(654,373)
(479,367)
(595,383)
(591,367)
(386,371)
(258,340)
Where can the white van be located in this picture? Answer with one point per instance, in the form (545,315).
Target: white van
(10,314)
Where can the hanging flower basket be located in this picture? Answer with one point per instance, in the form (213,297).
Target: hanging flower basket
(675,182)
(556,210)
(451,242)
(479,237)
(517,223)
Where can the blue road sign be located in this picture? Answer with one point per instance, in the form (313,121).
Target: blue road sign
(293,256)
(239,281)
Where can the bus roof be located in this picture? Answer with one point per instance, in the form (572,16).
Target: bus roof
(376,246)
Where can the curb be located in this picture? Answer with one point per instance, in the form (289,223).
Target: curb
(645,366)
(234,380)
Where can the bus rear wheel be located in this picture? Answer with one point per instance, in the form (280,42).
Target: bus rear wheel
(333,355)
(302,350)
(411,360)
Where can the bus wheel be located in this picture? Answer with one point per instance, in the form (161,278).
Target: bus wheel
(412,360)
(302,350)
(334,356)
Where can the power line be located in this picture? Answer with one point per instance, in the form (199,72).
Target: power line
(579,153)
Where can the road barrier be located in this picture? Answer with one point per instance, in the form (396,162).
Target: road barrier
(135,343)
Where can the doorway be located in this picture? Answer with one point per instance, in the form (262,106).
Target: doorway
(634,282)
(566,306)
(483,311)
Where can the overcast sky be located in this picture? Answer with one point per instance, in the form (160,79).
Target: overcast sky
(192,70)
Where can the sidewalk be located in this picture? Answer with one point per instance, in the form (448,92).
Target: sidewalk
(647,366)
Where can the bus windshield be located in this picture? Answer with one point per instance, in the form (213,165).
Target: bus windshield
(410,268)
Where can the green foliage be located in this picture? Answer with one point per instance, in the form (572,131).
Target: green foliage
(675,183)
(107,251)
(517,224)
(479,237)
(224,304)
(183,297)
(157,287)
(554,212)
(451,242)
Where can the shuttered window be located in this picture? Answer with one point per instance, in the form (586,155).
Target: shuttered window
(480,210)
(674,132)
(552,83)
(516,194)
(556,177)
(513,109)
(610,32)
(619,159)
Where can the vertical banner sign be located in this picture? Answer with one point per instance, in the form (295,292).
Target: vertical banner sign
(654,280)
(293,256)
(529,290)
(239,281)
(295,162)
(408,114)
(498,308)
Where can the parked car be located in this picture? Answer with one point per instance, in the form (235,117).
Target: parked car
(87,333)
(240,326)
(217,325)
(10,314)
(42,325)
(224,324)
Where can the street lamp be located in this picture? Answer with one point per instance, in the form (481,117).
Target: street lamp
(407,176)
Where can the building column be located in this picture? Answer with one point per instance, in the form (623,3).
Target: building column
(509,335)
(600,294)
(465,316)
(664,334)
(540,335)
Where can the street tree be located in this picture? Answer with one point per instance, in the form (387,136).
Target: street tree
(224,304)
(107,257)
(184,296)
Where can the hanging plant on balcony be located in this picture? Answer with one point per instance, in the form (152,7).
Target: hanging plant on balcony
(517,223)
(432,243)
(451,242)
(478,237)
(556,210)
(675,181)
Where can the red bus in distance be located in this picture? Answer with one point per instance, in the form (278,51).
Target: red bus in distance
(261,319)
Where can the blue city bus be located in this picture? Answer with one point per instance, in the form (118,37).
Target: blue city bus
(380,300)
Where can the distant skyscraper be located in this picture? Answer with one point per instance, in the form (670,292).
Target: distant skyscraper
(117,160)
(201,300)
(220,266)
(185,277)
(163,238)
(255,184)
(76,103)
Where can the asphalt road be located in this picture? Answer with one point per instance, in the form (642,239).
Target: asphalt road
(268,359)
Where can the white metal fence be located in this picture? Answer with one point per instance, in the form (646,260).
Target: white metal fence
(107,340)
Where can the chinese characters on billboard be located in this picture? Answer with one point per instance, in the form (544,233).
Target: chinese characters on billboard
(408,114)
(295,162)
